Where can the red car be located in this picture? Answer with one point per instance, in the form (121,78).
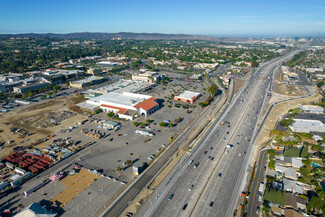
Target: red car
(119,134)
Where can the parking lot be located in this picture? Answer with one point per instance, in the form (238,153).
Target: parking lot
(114,154)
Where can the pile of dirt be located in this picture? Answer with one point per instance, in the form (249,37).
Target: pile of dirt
(48,119)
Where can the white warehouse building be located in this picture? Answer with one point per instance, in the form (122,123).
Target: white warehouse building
(126,105)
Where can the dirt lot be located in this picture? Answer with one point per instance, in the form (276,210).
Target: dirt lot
(74,185)
(239,84)
(289,89)
(40,120)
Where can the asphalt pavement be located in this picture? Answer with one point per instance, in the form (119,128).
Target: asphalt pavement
(128,195)
(260,171)
(221,157)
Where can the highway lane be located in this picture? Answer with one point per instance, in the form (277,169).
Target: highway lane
(203,159)
(228,162)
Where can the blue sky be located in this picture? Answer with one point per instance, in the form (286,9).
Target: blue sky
(205,17)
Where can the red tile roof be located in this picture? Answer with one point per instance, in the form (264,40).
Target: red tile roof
(147,104)
(120,110)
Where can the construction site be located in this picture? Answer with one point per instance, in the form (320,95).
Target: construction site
(35,125)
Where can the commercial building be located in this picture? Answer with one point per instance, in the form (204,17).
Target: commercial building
(111,125)
(87,82)
(109,64)
(27,87)
(93,72)
(225,80)
(187,96)
(307,126)
(3,185)
(148,76)
(195,77)
(35,210)
(9,81)
(61,76)
(126,105)
(206,65)
(124,86)
(11,77)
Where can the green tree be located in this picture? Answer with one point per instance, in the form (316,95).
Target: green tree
(57,87)
(254,64)
(148,121)
(171,125)
(163,124)
(266,209)
(320,84)
(119,168)
(202,104)
(111,114)
(99,110)
(287,122)
(24,96)
(136,123)
(31,94)
(315,203)
(213,89)
(128,162)
(142,124)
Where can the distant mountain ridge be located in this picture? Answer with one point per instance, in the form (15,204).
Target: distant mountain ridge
(122,35)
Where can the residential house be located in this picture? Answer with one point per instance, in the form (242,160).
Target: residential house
(290,201)
(283,161)
(301,203)
(287,172)
(292,186)
(277,211)
(296,162)
(292,213)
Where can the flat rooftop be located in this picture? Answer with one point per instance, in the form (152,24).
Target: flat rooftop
(86,105)
(188,95)
(125,99)
(87,80)
(123,86)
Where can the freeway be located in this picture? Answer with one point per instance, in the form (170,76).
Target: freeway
(212,187)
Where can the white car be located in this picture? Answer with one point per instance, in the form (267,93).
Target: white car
(260,197)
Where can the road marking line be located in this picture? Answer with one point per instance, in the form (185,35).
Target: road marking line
(229,140)
(258,180)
